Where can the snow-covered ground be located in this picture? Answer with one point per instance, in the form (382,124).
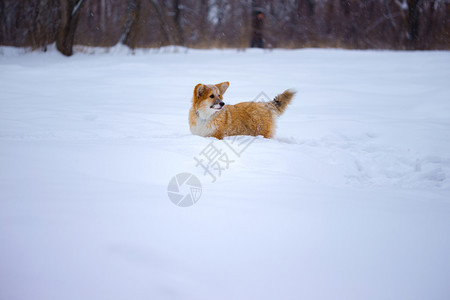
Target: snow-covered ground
(350,200)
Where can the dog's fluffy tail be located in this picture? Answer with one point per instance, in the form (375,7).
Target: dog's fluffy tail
(281,101)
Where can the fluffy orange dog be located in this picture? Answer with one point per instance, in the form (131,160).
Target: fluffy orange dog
(209,116)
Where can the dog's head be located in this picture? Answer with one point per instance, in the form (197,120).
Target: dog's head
(208,99)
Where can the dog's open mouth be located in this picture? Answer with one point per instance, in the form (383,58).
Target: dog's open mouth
(216,106)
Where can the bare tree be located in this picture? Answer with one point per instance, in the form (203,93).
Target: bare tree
(161,12)
(413,22)
(129,35)
(178,22)
(70,13)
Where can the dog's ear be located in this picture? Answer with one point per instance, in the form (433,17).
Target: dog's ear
(223,87)
(198,90)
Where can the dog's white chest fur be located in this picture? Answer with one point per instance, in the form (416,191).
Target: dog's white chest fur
(202,128)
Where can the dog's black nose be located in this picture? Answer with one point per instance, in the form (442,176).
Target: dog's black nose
(221,103)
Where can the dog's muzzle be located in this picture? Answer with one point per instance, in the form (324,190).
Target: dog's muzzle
(218,106)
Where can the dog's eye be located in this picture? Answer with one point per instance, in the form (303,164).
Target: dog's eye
(212,96)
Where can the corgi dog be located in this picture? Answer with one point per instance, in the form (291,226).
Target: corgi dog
(210,117)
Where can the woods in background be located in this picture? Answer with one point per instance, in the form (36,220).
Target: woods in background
(355,24)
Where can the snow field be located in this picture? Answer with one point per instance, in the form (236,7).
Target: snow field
(350,200)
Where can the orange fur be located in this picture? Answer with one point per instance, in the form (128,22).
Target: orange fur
(210,117)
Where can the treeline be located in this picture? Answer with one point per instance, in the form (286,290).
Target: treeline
(356,24)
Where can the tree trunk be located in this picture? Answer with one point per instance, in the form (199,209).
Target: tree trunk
(177,20)
(162,21)
(413,22)
(203,20)
(130,27)
(70,13)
